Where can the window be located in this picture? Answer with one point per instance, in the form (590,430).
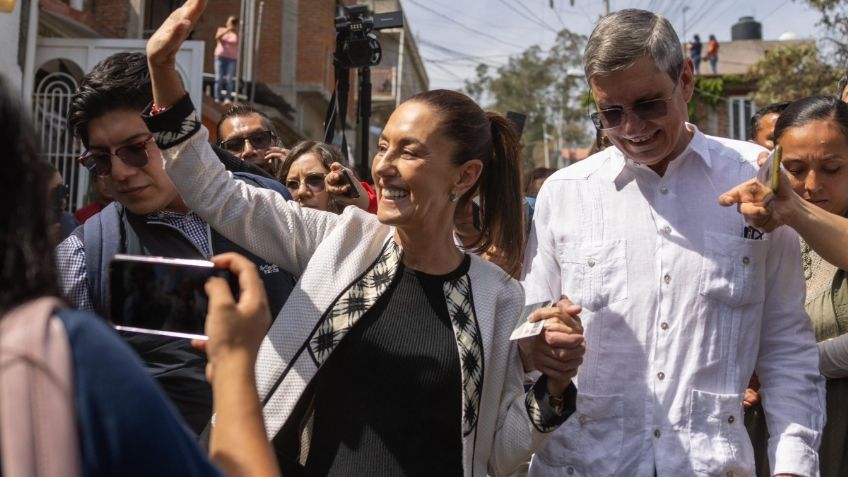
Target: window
(740,109)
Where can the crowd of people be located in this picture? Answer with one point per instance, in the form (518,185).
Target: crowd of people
(662,332)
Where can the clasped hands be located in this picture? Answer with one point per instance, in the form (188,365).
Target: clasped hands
(558,350)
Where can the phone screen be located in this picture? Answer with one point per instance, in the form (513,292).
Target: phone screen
(159,296)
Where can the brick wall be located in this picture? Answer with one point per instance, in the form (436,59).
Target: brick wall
(315,41)
(112,14)
(270,40)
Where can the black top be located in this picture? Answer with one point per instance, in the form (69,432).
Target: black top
(388,401)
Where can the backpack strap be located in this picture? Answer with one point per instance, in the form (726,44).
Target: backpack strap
(102,238)
(38,431)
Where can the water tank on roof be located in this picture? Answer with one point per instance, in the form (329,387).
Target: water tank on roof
(746,29)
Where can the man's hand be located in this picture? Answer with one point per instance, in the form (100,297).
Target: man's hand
(339,189)
(558,351)
(162,50)
(276,153)
(234,329)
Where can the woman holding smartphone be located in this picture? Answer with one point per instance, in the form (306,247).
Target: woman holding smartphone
(75,399)
(813,199)
(392,357)
(313,174)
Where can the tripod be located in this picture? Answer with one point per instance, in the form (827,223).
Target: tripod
(338,108)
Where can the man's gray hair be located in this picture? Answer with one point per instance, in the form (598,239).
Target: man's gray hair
(622,37)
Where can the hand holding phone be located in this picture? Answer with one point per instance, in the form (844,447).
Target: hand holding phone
(352,191)
(235,326)
(341,183)
(769,172)
(160,296)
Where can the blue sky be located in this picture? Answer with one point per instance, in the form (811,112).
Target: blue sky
(455,35)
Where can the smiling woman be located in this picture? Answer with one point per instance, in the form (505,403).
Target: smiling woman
(389,303)
(393,354)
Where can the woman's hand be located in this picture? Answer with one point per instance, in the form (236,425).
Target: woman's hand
(162,50)
(339,188)
(238,444)
(558,351)
(763,209)
(234,329)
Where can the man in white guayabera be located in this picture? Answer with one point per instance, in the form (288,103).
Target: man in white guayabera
(681,300)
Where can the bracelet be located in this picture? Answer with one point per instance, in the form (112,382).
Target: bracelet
(156,109)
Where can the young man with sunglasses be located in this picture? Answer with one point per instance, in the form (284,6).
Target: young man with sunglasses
(681,300)
(148,217)
(248,134)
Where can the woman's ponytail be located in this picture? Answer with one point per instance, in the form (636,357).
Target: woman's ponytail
(500,198)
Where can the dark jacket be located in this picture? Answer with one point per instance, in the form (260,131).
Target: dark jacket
(179,368)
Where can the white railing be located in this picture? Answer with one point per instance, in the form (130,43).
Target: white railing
(50,102)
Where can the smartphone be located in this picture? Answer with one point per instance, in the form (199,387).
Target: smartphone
(353,192)
(161,296)
(769,172)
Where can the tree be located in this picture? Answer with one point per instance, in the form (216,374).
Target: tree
(545,88)
(792,72)
(834,18)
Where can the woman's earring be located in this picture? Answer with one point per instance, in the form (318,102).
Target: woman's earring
(454,196)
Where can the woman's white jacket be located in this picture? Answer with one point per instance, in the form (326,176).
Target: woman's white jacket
(329,253)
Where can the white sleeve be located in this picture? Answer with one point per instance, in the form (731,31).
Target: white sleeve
(259,220)
(788,363)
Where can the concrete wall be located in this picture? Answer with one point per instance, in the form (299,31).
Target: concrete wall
(10,28)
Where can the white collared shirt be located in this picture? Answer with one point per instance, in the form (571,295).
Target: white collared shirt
(680,304)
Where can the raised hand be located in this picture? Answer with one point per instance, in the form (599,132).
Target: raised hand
(162,50)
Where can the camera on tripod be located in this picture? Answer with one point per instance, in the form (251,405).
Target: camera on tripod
(356,44)
(357,48)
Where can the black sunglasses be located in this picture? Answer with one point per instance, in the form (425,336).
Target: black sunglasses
(258,139)
(133,155)
(314,182)
(613,117)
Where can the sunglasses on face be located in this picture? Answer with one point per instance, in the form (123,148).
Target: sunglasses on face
(313,182)
(133,155)
(609,118)
(258,139)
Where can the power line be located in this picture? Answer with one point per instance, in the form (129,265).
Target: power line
(524,15)
(448,71)
(717,16)
(530,12)
(559,17)
(467,58)
(775,10)
(445,17)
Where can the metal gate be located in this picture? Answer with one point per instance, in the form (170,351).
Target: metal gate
(51,99)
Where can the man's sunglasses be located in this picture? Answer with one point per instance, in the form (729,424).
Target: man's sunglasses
(258,139)
(133,155)
(613,117)
(313,182)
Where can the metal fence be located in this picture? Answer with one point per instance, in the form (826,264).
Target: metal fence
(50,103)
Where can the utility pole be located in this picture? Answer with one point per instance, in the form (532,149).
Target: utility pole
(606,7)
(254,65)
(685,8)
